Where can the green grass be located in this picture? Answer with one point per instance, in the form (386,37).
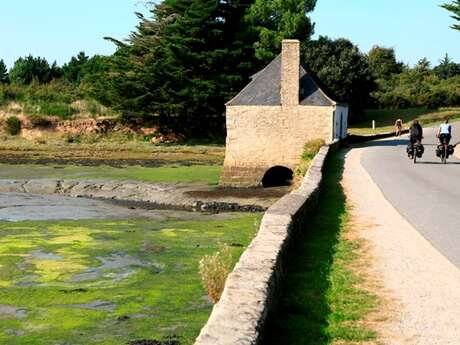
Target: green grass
(195,173)
(322,301)
(158,294)
(385,119)
(311,148)
(116,146)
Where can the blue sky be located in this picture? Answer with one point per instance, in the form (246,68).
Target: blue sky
(415,28)
(58,29)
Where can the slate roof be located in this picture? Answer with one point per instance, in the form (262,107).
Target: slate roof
(265,88)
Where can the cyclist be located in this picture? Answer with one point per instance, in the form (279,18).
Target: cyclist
(416,135)
(398,127)
(444,132)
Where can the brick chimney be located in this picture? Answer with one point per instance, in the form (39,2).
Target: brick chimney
(290,72)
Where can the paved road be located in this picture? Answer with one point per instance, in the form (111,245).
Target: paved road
(426,194)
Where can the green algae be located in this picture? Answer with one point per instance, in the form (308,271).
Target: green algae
(109,282)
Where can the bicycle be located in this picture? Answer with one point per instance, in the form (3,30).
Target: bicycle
(416,147)
(444,153)
(415,150)
(444,150)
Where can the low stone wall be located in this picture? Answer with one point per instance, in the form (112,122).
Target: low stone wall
(250,293)
(356,139)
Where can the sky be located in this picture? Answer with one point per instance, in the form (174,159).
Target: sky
(59,29)
(415,28)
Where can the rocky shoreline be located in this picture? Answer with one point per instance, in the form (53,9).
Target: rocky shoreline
(176,196)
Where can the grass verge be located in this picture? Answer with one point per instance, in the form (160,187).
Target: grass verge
(323,299)
(385,119)
(109,282)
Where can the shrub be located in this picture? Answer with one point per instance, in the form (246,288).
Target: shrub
(13,125)
(310,150)
(72,138)
(91,138)
(94,108)
(214,270)
(417,88)
(57,109)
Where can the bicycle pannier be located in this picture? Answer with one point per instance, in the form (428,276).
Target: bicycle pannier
(420,150)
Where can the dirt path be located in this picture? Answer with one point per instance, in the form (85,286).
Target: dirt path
(421,286)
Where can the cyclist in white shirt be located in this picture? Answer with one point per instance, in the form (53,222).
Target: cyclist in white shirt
(444,132)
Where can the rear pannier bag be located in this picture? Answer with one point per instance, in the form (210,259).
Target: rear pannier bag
(438,151)
(410,150)
(420,151)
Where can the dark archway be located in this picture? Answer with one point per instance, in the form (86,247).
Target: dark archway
(277,176)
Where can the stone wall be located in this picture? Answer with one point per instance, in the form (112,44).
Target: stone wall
(290,72)
(250,292)
(261,137)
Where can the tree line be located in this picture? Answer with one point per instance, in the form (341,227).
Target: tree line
(37,69)
(44,88)
(186,58)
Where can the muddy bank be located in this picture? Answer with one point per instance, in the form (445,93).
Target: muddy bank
(177,196)
(20,207)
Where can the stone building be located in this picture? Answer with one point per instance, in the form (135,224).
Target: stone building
(269,122)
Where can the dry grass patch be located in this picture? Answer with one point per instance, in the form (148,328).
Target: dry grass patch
(214,270)
(311,148)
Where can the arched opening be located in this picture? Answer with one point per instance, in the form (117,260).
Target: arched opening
(277,176)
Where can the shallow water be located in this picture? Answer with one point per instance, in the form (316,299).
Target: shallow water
(20,207)
(110,280)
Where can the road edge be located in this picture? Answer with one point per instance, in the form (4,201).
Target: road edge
(420,280)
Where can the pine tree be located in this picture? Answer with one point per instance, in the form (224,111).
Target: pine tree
(72,71)
(454,8)
(189,57)
(423,66)
(3,73)
(181,67)
(447,68)
(25,70)
(275,20)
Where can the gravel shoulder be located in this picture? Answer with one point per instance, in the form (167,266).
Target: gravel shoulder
(421,285)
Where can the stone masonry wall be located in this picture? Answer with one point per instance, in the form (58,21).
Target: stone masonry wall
(251,289)
(259,138)
(290,72)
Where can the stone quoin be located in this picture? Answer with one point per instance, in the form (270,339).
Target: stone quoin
(271,119)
